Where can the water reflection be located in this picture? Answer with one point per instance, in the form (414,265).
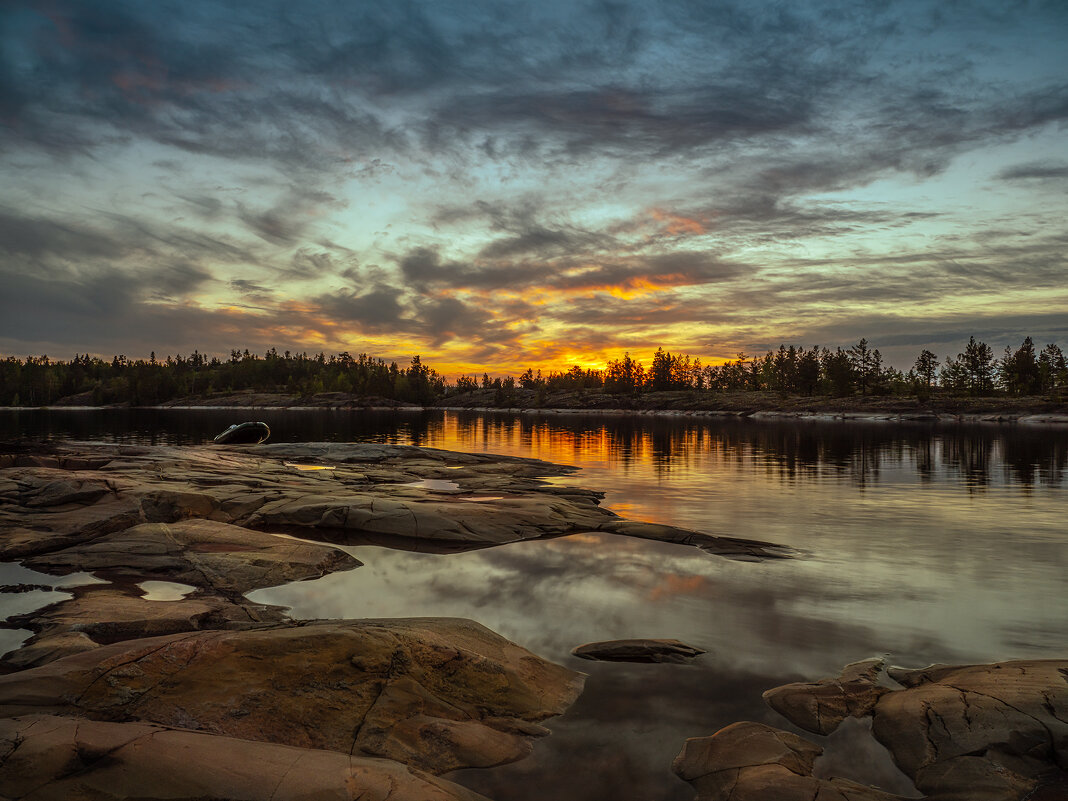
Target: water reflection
(977,456)
(924,543)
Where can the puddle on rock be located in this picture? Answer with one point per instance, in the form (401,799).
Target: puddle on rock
(307,467)
(25,591)
(165,590)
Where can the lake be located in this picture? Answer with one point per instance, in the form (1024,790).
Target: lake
(921,543)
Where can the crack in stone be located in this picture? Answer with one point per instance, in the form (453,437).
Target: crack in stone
(111,670)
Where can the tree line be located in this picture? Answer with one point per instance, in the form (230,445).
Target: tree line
(790,370)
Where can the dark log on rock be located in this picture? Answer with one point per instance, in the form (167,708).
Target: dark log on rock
(244,434)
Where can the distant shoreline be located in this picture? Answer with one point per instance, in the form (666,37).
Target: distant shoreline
(747,405)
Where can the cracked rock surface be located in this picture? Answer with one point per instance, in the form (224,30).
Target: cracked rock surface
(820,706)
(96,494)
(436,694)
(996,732)
(52,758)
(753,762)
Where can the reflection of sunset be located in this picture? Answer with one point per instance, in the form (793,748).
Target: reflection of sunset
(719,465)
(673,585)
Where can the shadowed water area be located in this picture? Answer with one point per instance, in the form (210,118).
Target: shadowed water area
(923,543)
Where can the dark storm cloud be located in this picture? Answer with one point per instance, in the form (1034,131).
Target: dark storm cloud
(384,309)
(294,87)
(375,310)
(45,243)
(1035,171)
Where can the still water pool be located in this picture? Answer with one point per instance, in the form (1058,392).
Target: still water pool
(921,543)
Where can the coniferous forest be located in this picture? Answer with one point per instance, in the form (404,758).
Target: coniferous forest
(790,371)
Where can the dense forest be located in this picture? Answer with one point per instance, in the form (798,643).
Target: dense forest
(790,370)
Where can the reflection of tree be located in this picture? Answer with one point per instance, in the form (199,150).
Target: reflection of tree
(793,451)
(790,451)
(1031,460)
(968,453)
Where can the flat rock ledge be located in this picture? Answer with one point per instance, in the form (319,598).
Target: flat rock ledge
(55,758)
(435,694)
(638,651)
(362,493)
(996,732)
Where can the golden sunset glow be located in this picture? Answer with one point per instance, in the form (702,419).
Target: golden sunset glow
(170,187)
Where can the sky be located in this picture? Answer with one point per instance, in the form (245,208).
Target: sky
(496,185)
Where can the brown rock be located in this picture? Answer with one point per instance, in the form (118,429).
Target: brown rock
(981,732)
(995,732)
(436,694)
(48,647)
(204,553)
(638,651)
(820,706)
(753,762)
(68,759)
(364,496)
(108,613)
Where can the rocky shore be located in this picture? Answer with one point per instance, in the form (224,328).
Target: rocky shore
(95,703)
(210,695)
(943,409)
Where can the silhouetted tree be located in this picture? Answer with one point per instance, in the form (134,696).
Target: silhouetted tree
(926,367)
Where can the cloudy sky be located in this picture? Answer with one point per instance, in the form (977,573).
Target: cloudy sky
(502,184)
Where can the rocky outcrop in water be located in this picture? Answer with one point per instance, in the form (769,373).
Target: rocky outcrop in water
(638,651)
(995,732)
(820,706)
(754,762)
(363,495)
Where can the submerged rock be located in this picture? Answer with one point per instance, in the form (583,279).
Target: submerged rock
(48,758)
(638,651)
(436,694)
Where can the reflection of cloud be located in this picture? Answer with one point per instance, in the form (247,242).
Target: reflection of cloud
(679,585)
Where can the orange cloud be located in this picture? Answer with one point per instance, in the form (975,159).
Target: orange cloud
(676,224)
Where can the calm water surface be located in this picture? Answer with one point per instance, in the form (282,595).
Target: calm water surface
(922,543)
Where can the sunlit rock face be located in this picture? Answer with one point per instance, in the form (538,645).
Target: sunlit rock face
(435,694)
(54,758)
